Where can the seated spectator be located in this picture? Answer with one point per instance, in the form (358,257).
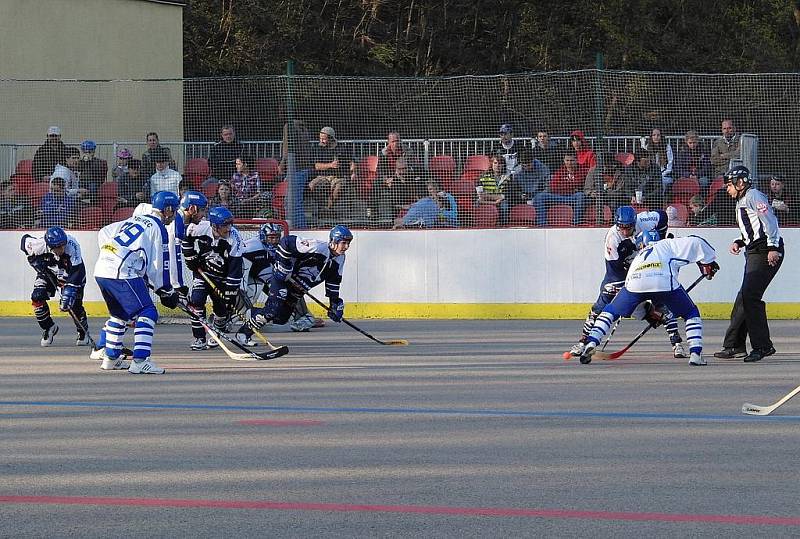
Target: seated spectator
(661,155)
(390,153)
(607,184)
(132,188)
(587,160)
(566,187)
(164,178)
(57,208)
(700,214)
(223,154)
(395,192)
(547,152)
(507,148)
(331,166)
(692,162)
(533,177)
(646,179)
(493,186)
(725,148)
(15,210)
(91,169)
(783,204)
(438,209)
(673,219)
(225,198)
(48,155)
(69,173)
(246,186)
(154,145)
(124,157)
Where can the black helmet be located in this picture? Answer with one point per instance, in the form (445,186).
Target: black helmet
(739,172)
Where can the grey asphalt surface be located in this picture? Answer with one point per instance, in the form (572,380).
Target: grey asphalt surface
(476,429)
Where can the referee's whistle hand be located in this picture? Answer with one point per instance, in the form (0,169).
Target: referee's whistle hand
(734,248)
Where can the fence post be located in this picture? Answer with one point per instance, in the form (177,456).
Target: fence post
(291,193)
(598,105)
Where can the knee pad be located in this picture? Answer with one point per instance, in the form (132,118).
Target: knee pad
(37,304)
(40,294)
(148,312)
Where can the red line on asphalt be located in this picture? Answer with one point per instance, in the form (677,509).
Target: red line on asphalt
(748,520)
(282,422)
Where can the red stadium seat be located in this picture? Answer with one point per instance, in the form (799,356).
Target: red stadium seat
(485,216)
(624,158)
(267,168)
(470,176)
(22,182)
(108,195)
(443,168)
(522,215)
(121,214)
(559,215)
(590,216)
(209,190)
(279,199)
(717,184)
(683,211)
(367,172)
(478,163)
(684,189)
(196,170)
(24,166)
(92,218)
(36,191)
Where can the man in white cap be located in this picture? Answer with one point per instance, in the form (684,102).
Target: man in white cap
(49,154)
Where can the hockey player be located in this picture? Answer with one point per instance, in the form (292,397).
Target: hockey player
(653,276)
(57,260)
(138,249)
(620,250)
(302,264)
(259,251)
(215,247)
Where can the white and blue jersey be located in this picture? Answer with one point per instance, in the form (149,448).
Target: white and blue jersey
(310,262)
(176,231)
(136,247)
(68,268)
(655,268)
(260,258)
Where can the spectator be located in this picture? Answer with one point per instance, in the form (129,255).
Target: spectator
(661,155)
(48,155)
(222,157)
(646,178)
(532,178)
(124,157)
(15,211)
(493,186)
(57,208)
(164,178)
(692,162)
(91,169)
(69,173)
(394,193)
(547,152)
(296,141)
(608,185)
(131,188)
(674,220)
(507,148)
(390,153)
(566,187)
(438,209)
(225,198)
(582,151)
(783,204)
(700,214)
(154,146)
(246,187)
(725,148)
(330,168)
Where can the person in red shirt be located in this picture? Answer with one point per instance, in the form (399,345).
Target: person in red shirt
(587,160)
(566,187)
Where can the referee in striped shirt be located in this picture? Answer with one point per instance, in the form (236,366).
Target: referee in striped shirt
(763,248)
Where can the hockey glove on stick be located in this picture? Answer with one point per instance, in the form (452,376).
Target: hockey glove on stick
(708,270)
(169,297)
(68,295)
(336,310)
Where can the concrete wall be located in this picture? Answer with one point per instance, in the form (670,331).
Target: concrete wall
(511,273)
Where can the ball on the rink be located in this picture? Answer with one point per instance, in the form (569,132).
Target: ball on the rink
(566,355)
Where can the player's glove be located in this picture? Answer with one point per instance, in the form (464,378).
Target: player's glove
(192,262)
(708,270)
(257,321)
(169,297)
(183,293)
(229,296)
(68,295)
(38,263)
(612,289)
(653,316)
(336,310)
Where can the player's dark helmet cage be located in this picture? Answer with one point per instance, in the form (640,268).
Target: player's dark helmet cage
(161,200)
(625,216)
(340,233)
(55,237)
(269,229)
(193,198)
(739,172)
(220,216)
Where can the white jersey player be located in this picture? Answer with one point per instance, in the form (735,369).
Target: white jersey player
(135,256)
(653,276)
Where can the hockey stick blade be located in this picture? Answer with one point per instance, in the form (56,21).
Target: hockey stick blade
(754,409)
(274,353)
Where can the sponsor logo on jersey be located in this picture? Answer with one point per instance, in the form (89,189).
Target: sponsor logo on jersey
(762,207)
(109,247)
(649,265)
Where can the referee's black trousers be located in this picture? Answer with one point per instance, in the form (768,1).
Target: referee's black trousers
(749,313)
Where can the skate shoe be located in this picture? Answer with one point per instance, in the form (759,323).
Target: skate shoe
(114,364)
(696,360)
(99,354)
(82,340)
(212,342)
(588,352)
(244,340)
(199,344)
(48,335)
(577,349)
(145,367)
(679,350)
(304,323)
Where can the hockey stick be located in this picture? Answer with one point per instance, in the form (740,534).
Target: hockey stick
(616,355)
(754,409)
(246,301)
(249,355)
(53,282)
(392,342)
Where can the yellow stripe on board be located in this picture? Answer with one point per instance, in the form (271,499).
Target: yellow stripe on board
(444,311)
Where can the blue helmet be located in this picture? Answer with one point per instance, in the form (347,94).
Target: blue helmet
(162,200)
(55,237)
(737,173)
(220,216)
(88,146)
(340,233)
(625,216)
(193,198)
(267,230)
(646,238)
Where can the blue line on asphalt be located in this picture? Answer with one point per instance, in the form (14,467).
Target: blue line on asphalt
(421,411)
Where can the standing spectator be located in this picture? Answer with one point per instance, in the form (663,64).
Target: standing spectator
(297,141)
(646,177)
(725,148)
(330,168)
(587,160)
(546,151)
(69,173)
(692,162)
(507,148)
(225,198)
(438,209)
(395,192)
(661,155)
(532,178)
(763,246)
(494,185)
(57,208)
(124,157)
(566,187)
(164,178)
(15,210)
(154,145)
(246,186)
(394,150)
(222,157)
(700,214)
(48,155)
(132,189)
(91,169)
(783,204)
